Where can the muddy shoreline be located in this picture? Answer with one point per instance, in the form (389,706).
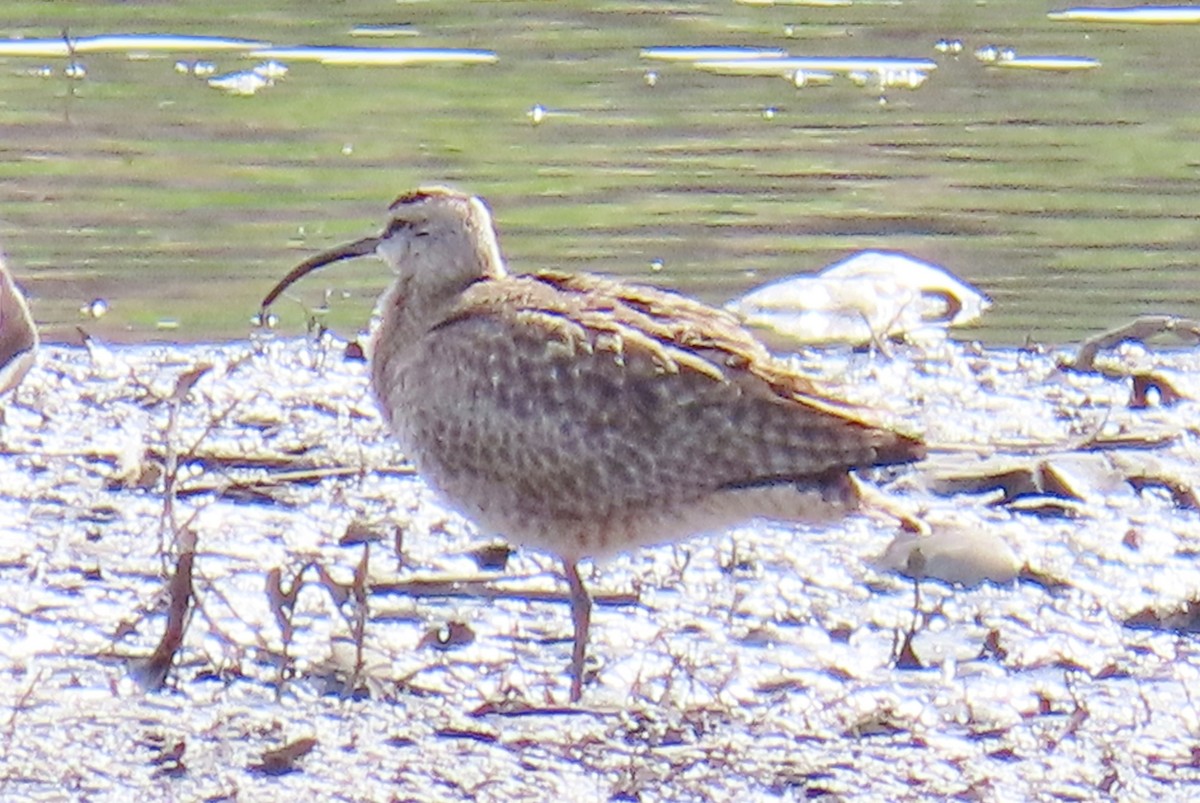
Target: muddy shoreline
(766,661)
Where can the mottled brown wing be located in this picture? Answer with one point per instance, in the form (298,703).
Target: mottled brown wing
(575,396)
(709,333)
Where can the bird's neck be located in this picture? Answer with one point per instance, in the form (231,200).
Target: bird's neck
(432,274)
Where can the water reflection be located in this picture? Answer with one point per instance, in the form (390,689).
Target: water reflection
(1137,15)
(710,53)
(67,45)
(246,82)
(1007,58)
(378,56)
(883,73)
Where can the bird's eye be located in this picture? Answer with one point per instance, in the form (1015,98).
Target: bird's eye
(396,226)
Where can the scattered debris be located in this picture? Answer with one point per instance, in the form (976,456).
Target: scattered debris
(1185,619)
(448,636)
(799,645)
(958,553)
(152,672)
(282,760)
(1139,330)
(867,298)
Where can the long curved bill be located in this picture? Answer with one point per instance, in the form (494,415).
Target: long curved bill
(358,248)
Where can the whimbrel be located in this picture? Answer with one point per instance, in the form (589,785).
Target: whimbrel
(584,416)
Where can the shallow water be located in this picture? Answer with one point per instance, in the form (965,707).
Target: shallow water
(1070,198)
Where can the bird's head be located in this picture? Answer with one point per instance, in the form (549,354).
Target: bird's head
(437,241)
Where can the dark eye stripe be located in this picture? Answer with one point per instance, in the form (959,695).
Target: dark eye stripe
(397,225)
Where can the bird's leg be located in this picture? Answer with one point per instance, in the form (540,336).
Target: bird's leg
(886,510)
(581,616)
